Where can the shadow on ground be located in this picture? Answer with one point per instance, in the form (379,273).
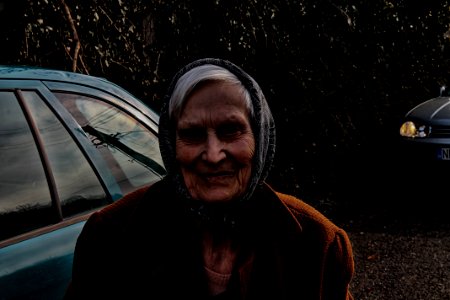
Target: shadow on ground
(394,193)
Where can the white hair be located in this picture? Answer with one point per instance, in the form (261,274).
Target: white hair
(208,72)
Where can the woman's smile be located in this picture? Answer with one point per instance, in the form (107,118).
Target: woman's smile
(218,177)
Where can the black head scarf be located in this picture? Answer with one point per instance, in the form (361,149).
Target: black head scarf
(263,130)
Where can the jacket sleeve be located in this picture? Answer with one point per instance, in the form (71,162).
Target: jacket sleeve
(339,268)
(336,258)
(85,264)
(99,245)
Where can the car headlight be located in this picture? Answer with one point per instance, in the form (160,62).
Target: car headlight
(411,130)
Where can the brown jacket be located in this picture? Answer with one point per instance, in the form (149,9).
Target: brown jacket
(144,247)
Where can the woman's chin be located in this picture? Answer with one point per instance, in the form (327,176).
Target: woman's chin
(217,196)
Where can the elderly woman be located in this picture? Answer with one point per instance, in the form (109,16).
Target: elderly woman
(212,228)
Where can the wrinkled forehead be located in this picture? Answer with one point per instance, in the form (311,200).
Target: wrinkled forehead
(215,95)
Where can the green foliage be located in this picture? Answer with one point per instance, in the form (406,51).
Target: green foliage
(338,76)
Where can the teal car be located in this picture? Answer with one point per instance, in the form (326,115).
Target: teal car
(70,144)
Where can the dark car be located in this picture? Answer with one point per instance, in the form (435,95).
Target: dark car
(425,130)
(69,145)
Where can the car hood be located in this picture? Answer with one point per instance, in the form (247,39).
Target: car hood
(435,111)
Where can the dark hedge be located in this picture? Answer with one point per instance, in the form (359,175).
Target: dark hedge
(339,77)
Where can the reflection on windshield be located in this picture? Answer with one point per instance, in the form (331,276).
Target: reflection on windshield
(130,150)
(22,177)
(25,201)
(77,185)
(115,141)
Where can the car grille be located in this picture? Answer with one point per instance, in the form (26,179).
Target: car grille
(440,132)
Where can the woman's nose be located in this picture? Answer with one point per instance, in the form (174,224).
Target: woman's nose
(214,150)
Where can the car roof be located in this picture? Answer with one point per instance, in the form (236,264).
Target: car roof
(48,74)
(38,73)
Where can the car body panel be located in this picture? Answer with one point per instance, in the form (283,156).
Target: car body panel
(20,267)
(435,111)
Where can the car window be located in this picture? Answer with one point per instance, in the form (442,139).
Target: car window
(130,149)
(25,203)
(78,187)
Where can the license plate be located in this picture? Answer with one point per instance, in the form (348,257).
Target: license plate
(443,154)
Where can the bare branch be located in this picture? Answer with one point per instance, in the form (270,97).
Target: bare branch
(74,35)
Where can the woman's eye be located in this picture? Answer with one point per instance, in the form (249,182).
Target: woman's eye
(229,130)
(191,134)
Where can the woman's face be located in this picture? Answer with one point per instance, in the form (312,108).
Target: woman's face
(214,143)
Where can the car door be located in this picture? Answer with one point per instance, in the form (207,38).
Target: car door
(65,151)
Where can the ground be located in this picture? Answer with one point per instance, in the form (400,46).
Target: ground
(401,258)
